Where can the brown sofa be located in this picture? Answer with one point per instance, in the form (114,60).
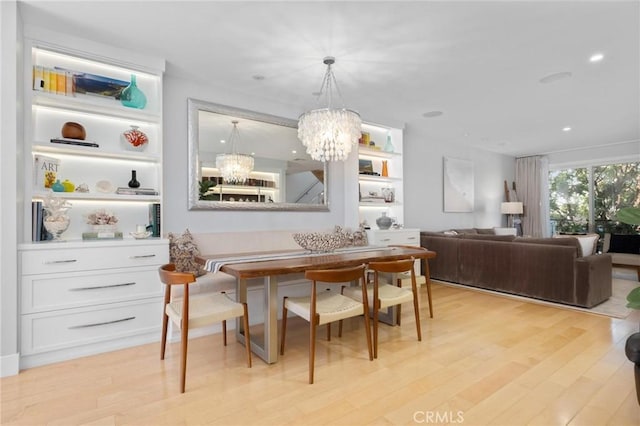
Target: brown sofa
(551,269)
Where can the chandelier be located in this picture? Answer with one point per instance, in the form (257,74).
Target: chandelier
(234,167)
(329,133)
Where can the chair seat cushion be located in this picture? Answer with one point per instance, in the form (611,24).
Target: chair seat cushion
(389,295)
(205,309)
(330,306)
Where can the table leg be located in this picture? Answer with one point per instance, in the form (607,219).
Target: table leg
(269,350)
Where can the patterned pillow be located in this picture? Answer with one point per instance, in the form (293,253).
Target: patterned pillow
(183,251)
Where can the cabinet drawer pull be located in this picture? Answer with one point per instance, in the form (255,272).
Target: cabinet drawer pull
(51,262)
(142,256)
(411,238)
(101,287)
(74,327)
(385,239)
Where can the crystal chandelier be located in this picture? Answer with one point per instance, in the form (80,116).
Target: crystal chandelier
(329,133)
(234,167)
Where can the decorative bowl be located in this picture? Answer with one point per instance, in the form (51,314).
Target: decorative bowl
(105,187)
(320,242)
(140,235)
(71,130)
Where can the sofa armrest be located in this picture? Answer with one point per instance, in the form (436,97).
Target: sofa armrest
(593,279)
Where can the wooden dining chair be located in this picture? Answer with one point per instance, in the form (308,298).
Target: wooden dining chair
(426,276)
(198,311)
(383,295)
(327,307)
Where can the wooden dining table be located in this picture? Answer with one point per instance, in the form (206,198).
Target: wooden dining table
(243,268)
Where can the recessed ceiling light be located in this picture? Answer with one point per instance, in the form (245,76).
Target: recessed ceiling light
(555,77)
(596,57)
(223,141)
(294,152)
(566,129)
(432,114)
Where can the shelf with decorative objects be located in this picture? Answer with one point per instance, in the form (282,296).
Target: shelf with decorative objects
(380,175)
(91,124)
(92,183)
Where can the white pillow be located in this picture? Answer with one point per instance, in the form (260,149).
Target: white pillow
(588,242)
(505,231)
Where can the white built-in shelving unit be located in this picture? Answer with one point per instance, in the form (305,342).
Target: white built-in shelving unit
(79,297)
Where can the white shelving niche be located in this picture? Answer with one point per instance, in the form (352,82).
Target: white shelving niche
(104,119)
(371,204)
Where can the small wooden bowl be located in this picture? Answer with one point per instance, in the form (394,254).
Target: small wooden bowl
(71,130)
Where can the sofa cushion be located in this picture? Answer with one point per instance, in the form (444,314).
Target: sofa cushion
(486,237)
(485,231)
(182,253)
(466,231)
(629,244)
(571,242)
(588,242)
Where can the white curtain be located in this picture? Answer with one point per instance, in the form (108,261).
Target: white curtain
(533,190)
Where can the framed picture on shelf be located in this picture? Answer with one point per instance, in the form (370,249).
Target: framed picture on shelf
(366,167)
(92,84)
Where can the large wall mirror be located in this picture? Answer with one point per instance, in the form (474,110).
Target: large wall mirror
(283,178)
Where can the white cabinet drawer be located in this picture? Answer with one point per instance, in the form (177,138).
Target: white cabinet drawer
(49,331)
(91,258)
(74,289)
(394,237)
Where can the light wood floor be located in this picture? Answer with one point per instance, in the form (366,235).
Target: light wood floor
(483,360)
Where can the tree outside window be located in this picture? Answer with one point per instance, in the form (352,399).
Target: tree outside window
(613,186)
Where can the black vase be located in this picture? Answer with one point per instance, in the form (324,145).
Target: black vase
(133,183)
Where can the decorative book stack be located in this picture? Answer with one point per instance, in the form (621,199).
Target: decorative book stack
(123,190)
(102,235)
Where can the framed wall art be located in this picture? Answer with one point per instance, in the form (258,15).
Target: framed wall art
(458,185)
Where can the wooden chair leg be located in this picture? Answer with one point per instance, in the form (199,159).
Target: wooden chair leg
(184,337)
(376,309)
(367,329)
(340,322)
(428,281)
(312,347)
(247,339)
(416,310)
(163,342)
(328,332)
(284,325)
(224,332)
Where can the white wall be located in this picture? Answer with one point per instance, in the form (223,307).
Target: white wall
(10,132)
(423,184)
(176,215)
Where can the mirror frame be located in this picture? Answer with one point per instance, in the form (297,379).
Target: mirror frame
(194,176)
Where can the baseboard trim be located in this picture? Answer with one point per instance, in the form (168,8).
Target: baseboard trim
(9,365)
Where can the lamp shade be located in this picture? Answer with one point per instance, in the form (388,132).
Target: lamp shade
(513,207)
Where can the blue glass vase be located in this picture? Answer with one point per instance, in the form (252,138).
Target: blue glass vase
(133,97)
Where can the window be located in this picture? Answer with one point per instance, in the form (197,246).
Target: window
(587,199)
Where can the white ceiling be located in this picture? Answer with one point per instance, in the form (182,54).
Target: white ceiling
(478,62)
